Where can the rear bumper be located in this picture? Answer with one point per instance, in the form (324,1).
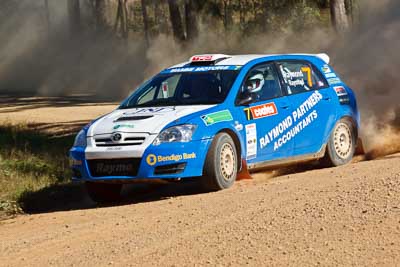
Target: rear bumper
(166,161)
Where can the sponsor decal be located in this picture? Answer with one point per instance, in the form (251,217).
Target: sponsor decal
(292,125)
(251,141)
(200,69)
(261,111)
(238,126)
(114,148)
(297,78)
(164,88)
(156,110)
(151,159)
(220,116)
(118,126)
(113,169)
(154,159)
(333,81)
(326,69)
(330,75)
(340,91)
(342,95)
(202,58)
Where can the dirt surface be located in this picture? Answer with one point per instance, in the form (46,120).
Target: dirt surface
(342,216)
(53,114)
(348,215)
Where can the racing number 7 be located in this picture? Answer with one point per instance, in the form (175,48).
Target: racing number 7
(307,70)
(248,113)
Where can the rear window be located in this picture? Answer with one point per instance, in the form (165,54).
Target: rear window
(300,76)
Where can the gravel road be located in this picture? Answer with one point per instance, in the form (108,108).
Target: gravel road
(348,215)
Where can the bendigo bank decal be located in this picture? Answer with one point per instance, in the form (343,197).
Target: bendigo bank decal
(261,111)
(153,159)
(292,125)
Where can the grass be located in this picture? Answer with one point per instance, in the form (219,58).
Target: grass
(30,162)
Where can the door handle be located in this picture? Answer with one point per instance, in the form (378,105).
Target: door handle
(285,106)
(326,98)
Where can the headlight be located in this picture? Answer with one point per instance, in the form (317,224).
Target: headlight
(80,139)
(181,133)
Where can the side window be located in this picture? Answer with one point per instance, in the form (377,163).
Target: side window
(299,77)
(262,83)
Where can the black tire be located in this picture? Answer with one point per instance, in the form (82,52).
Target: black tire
(220,174)
(103,192)
(341,145)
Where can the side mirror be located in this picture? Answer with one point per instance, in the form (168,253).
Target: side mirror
(246,100)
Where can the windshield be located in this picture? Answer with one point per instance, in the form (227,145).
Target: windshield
(184,88)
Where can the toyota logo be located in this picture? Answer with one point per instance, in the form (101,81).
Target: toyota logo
(116,137)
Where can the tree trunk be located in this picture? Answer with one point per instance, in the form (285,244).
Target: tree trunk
(47,15)
(74,16)
(176,20)
(125,19)
(145,22)
(227,13)
(159,17)
(121,19)
(266,11)
(191,13)
(351,9)
(99,10)
(242,12)
(338,15)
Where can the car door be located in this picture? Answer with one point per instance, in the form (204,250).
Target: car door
(266,117)
(314,113)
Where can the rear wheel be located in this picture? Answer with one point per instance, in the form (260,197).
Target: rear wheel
(220,169)
(341,145)
(103,192)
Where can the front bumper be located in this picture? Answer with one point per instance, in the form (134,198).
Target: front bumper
(165,161)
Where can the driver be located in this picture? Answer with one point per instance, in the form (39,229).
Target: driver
(254,84)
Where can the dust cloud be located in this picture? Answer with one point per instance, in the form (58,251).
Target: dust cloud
(369,61)
(43,61)
(51,61)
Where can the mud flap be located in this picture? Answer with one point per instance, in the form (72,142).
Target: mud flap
(244,172)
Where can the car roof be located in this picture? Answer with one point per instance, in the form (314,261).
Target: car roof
(240,60)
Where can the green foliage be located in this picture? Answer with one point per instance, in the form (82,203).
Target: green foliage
(30,161)
(242,16)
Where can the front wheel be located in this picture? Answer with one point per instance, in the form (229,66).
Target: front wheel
(103,192)
(341,145)
(220,169)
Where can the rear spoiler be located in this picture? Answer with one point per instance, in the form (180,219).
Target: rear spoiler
(324,57)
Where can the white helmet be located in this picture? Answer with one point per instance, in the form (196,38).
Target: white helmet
(255,82)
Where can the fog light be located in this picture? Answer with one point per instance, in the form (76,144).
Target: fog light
(74,162)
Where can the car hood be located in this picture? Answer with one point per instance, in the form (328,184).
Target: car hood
(142,120)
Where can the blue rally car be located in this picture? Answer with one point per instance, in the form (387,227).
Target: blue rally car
(216,117)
